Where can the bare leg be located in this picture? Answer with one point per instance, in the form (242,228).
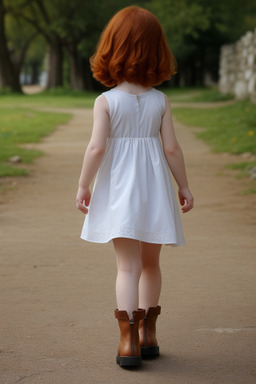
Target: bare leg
(150,280)
(128,274)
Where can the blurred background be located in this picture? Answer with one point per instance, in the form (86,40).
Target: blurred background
(56,292)
(45,47)
(49,42)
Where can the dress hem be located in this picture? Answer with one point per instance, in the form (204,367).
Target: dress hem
(147,239)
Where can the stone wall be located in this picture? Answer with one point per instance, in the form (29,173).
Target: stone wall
(238,67)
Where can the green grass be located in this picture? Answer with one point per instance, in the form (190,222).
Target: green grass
(21,123)
(244,166)
(8,170)
(51,98)
(230,129)
(186,94)
(78,99)
(23,126)
(249,191)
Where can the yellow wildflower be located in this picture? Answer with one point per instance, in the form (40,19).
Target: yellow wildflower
(250,133)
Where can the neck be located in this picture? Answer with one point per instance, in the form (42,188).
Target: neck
(133,88)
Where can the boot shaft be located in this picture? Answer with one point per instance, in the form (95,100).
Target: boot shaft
(147,327)
(129,335)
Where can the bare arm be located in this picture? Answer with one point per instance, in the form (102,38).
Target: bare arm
(94,152)
(175,160)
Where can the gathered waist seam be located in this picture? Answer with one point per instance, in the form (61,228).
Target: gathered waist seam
(133,138)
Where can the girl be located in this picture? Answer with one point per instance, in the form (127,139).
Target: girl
(133,201)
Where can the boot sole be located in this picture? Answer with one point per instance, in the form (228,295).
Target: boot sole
(129,361)
(148,352)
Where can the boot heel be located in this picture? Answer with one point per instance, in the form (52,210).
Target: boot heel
(147,330)
(127,361)
(148,352)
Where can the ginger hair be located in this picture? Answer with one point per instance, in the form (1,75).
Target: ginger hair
(133,48)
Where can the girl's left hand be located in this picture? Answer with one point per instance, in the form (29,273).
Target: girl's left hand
(186,200)
(83,198)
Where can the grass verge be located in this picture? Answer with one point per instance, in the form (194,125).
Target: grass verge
(230,129)
(196,95)
(61,97)
(58,97)
(23,126)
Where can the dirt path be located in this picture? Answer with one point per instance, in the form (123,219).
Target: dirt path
(57,292)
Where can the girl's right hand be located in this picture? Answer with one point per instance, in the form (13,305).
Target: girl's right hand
(83,198)
(186,199)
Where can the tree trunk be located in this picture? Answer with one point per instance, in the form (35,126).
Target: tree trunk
(76,68)
(90,83)
(202,67)
(35,73)
(55,64)
(9,77)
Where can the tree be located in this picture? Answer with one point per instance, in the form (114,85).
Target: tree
(76,25)
(79,25)
(70,27)
(196,30)
(40,16)
(34,61)
(9,73)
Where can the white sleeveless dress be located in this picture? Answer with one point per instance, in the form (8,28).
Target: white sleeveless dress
(133,196)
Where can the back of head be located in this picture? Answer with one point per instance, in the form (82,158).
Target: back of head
(133,48)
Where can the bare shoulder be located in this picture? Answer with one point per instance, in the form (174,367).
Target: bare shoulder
(167,102)
(101,106)
(168,111)
(101,102)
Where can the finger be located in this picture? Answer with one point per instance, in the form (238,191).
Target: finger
(81,206)
(87,201)
(83,210)
(188,206)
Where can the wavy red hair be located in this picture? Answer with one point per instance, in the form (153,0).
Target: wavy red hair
(133,48)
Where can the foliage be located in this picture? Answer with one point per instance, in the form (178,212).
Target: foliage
(18,33)
(74,26)
(179,19)
(74,20)
(25,44)
(197,21)
(36,53)
(196,30)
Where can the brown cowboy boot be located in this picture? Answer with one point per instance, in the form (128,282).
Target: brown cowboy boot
(147,333)
(129,353)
